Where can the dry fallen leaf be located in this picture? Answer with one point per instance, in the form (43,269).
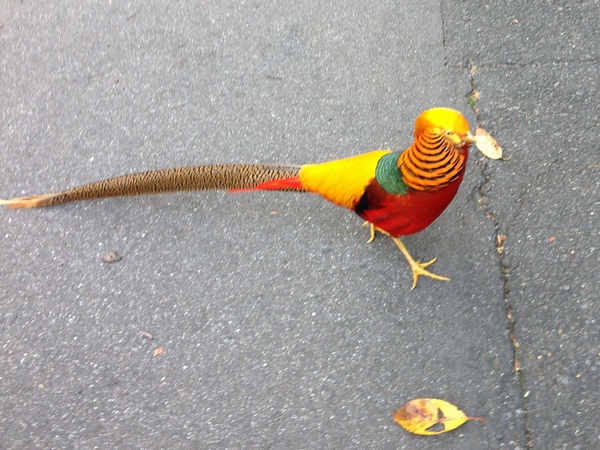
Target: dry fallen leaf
(157,352)
(430,416)
(111,257)
(500,238)
(487,144)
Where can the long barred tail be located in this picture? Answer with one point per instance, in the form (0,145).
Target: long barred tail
(235,177)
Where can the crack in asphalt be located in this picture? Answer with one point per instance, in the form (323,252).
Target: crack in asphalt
(536,64)
(500,239)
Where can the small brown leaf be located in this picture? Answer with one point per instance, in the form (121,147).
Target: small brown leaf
(158,351)
(487,144)
(111,257)
(419,416)
(500,238)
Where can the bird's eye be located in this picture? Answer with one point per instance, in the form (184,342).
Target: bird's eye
(449,133)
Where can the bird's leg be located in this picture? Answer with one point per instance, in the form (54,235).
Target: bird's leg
(418,268)
(373,228)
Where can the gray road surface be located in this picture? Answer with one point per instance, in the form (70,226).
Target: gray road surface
(281,327)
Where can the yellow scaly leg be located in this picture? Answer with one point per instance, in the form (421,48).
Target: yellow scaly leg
(418,268)
(372,238)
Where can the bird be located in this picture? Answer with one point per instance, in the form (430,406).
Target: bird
(397,193)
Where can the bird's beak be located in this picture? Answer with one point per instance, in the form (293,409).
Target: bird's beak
(470,138)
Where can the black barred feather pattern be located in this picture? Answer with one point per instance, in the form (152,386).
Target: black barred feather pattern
(432,162)
(194,178)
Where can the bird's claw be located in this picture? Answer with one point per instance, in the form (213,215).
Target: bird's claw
(418,268)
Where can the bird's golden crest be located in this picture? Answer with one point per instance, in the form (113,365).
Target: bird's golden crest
(443,118)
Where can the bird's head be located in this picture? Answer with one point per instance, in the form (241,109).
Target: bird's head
(446,121)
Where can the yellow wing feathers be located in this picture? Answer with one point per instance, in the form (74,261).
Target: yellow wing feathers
(342,181)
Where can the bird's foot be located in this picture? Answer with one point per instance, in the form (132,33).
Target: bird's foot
(418,268)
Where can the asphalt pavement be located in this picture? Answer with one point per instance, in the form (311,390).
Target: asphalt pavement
(265,320)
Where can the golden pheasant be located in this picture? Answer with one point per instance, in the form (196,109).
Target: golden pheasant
(398,193)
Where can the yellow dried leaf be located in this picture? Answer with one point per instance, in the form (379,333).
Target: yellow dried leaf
(419,416)
(158,351)
(487,144)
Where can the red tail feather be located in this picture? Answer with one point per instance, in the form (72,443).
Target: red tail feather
(275,185)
